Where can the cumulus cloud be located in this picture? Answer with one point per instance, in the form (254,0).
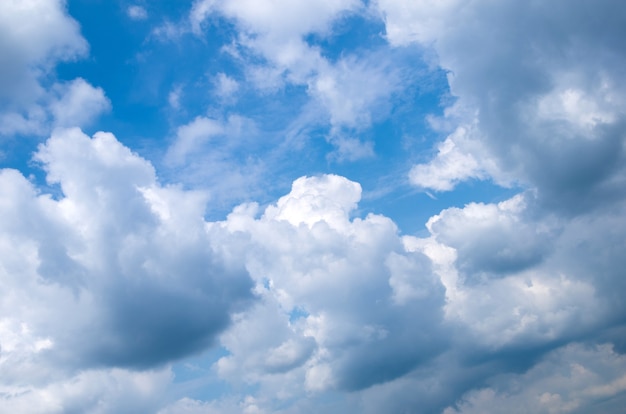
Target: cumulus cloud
(36,36)
(117,271)
(79,103)
(109,277)
(352,305)
(351,282)
(343,303)
(548,104)
(93,391)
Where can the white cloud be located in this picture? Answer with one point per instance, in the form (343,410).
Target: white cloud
(93,391)
(225,86)
(352,282)
(217,155)
(116,274)
(450,166)
(328,198)
(494,239)
(36,35)
(112,267)
(78,104)
(137,12)
(284,18)
(343,303)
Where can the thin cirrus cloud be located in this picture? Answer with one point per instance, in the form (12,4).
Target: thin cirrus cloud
(236,260)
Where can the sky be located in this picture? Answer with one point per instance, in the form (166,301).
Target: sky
(289,206)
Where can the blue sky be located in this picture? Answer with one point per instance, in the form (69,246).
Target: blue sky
(256,206)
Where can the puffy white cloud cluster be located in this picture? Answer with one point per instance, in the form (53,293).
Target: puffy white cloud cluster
(36,35)
(116,275)
(411,324)
(115,271)
(335,292)
(108,277)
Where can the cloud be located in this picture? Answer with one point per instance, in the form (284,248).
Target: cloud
(570,379)
(192,136)
(548,104)
(79,103)
(119,274)
(136,12)
(36,35)
(351,280)
(117,271)
(225,86)
(94,391)
(494,239)
(449,167)
(283,18)
(110,277)
(273,48)
(218,155)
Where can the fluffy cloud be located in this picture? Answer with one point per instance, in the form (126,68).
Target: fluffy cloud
(542,88)
(79,103)
(450,166)
(108,277)
(343,289)
(93,391)
(118,273)
(286,18)
(115,271)
(36,35)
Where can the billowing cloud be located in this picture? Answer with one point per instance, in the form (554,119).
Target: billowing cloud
(350,284)
(343,303)
(548,104)
(36,36)
(115,271)
(119,294)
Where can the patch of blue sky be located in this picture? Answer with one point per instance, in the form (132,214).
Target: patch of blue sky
(297,313)
(195,377)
